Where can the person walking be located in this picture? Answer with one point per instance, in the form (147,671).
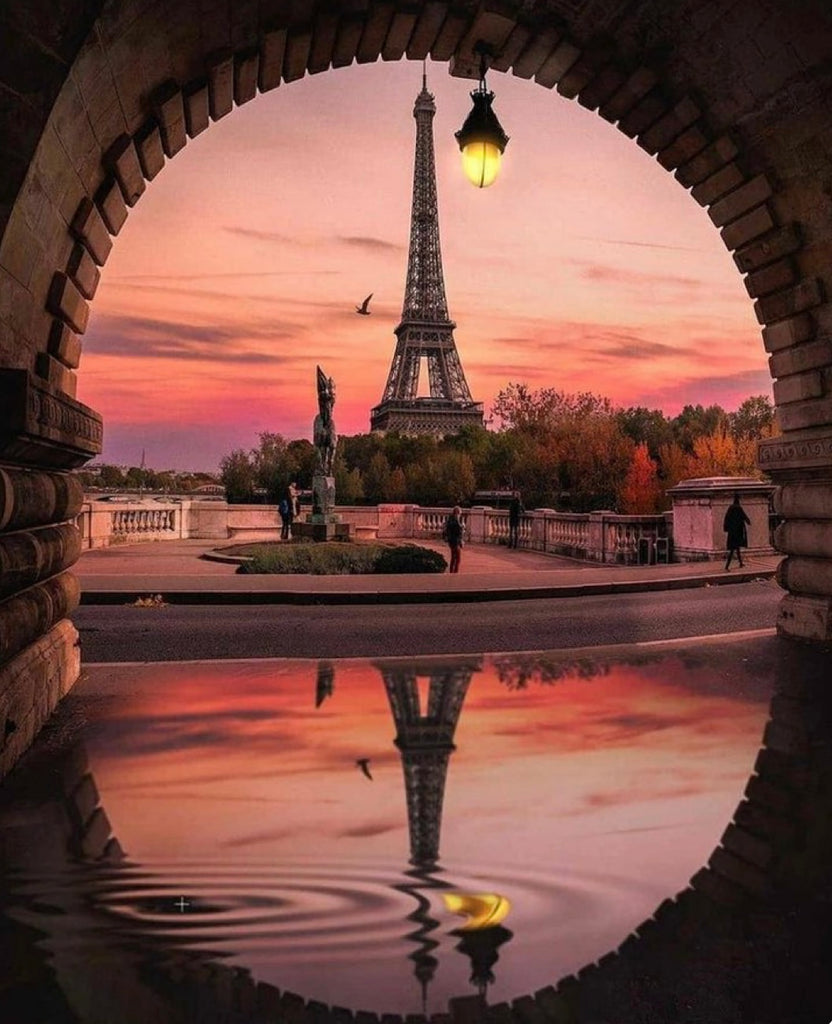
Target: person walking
(515,511)
(286,508)
(453,535)
(734,524)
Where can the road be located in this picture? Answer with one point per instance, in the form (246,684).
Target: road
(185,633)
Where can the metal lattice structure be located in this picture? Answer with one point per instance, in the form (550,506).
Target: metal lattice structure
(426,331)
(425,739)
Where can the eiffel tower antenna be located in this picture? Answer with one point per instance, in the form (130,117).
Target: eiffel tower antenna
(426,332)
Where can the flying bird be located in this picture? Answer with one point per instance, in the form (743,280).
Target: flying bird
(363,308)
(364,764)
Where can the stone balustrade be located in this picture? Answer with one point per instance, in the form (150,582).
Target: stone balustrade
(597,536)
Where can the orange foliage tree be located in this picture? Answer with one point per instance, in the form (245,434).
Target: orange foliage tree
(640,491)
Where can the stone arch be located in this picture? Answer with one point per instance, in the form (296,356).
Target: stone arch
(730,97)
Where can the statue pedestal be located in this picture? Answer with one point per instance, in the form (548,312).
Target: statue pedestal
(323,494)
(318,528)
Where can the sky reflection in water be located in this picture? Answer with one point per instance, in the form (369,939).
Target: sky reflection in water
(584,792)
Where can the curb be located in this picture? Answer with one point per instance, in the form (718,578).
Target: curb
(311,597)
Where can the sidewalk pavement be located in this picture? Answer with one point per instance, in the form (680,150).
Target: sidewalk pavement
(176,570)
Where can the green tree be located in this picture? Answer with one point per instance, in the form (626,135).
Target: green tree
(753,419)
(238,476)
(377,479)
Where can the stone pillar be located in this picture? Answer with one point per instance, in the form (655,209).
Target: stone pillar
(43,434)
(699,508)
(800,463)
(475,521)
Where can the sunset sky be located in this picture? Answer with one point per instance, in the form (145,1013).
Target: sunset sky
(585,267)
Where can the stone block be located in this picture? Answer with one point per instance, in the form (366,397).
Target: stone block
(719,890)
(573,68)
(151,152)
(26,616)
(447,41)
(270,67)
(67,303)
(804,499)
(195,100)
(724,180)
(88,226)
(734,869)
(268,1001)
(64,345)
(644,113)
(492,25)
(96,835)
(554,1006)
(750,848)
(246,67)
(296,58)
(82,270)
(169,109)
(768,249)
(42,426)
(770,795)
(748,227)
(110,203)
(220,67)
(670,126)
(535,54)
(467,1009)
(29,498)
(56,374)
(622,101)
(802,575)
(518,40)
(772,278)
(740,201)
(122,160)
(785,739)
(85,799)
(527,1011)
(601,87)
(707,162)
(683,149)
(798,387)
(398,35)
(786,333)
(348,37)
(805,295)
(805,618)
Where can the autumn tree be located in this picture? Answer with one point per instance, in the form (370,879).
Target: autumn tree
(640,491)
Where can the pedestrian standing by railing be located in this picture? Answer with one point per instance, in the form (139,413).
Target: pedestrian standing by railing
(734,524)
(515,511)
(453,535)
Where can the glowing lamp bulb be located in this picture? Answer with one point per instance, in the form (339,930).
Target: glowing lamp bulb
(481,163)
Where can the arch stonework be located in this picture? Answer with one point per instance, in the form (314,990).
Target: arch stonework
(731,96)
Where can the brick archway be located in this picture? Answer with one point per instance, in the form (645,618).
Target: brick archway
(731,97)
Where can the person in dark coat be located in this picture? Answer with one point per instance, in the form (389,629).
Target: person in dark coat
(515,510)
(734,525)
(286,508)
(453,535)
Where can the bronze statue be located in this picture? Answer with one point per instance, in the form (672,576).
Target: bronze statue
(323,431)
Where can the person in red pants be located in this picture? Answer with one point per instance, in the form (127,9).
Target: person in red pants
(453,535)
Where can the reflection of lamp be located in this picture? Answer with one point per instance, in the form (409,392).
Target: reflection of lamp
(481,949)
(424,962)
(481,138)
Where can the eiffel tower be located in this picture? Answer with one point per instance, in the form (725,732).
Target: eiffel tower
(425,738)
(426,331)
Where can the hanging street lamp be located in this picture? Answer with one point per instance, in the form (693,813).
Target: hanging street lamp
(481,138)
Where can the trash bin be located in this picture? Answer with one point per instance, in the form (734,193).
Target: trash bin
(644,550)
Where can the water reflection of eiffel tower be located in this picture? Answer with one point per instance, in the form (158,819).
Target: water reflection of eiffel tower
(425,738)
